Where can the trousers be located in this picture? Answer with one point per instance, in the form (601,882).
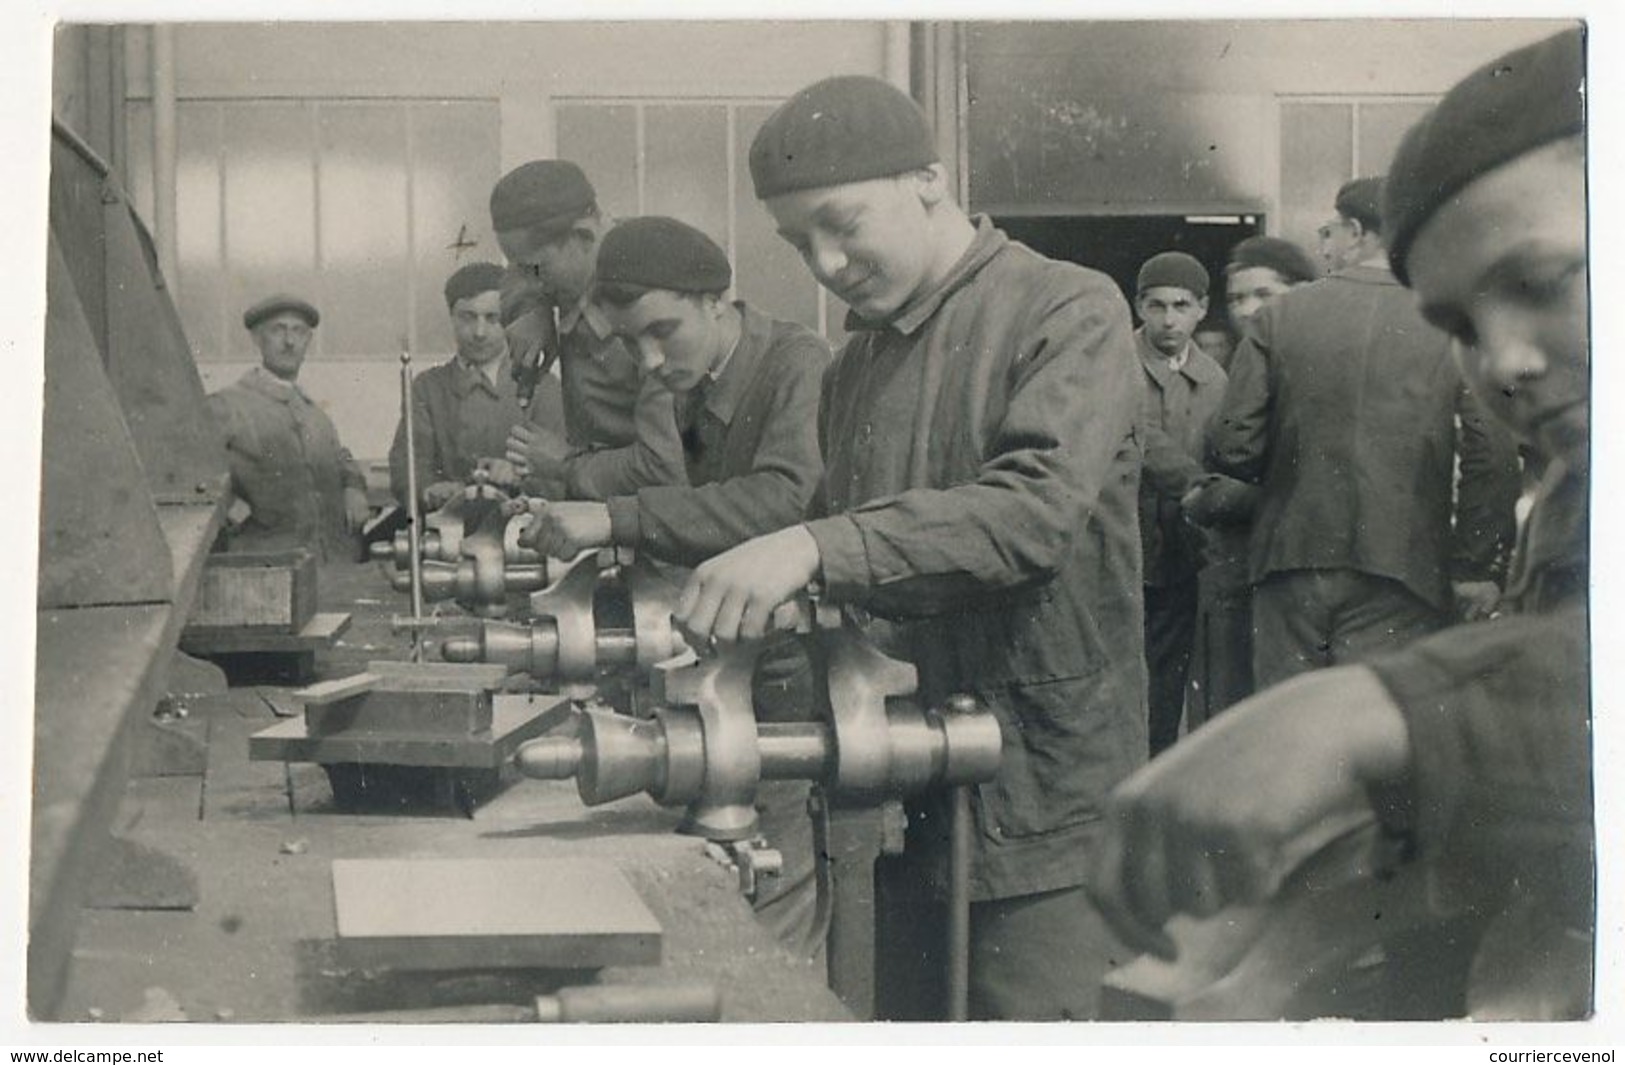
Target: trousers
(1312,618)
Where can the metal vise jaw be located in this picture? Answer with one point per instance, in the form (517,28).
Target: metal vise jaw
(704,748)
(486,562)
(445,529)
(563,641)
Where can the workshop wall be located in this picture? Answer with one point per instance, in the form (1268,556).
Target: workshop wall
(352,162)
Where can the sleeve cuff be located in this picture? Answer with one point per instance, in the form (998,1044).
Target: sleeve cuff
(844,563)
(625,524)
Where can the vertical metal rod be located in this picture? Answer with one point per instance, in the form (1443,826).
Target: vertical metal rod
(164,154)
(413,527)
(959,905)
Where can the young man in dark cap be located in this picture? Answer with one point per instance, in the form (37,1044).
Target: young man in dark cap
(300,485)
(981,474)
(546,218)
(464,408)
(1473,745)
(1345,407)
(747,389)
(1183,388)
(1260,269)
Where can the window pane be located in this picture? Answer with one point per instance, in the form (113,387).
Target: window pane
(270,185)
(454,165)
(197,230)
(362,200)
(1381,127)
(602,140)
(1317,156)
(686,166)
(767,271)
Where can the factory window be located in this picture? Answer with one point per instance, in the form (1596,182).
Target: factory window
(1327,141)
(688,159)
(364,206)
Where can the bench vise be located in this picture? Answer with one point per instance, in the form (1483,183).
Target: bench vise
(703,748)
(609,609)
(471,554)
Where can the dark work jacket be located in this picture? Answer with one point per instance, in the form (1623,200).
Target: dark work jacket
(1500,795)
(751,451)
(460,416)
(981,477)
(1176,408)
(1344,405)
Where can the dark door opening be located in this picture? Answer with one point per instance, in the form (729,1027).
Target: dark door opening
(1118,244)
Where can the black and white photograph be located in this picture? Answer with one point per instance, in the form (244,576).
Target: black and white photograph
(1053,525)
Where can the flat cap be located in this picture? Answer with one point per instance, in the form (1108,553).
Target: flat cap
(1273,253)
(1173,269)
(278,304)
(1524,100)
(473,279)
(1361,199)
(838,131)
(544,193)
(658,252)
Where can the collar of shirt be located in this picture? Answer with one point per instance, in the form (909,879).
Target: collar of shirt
(1193,362)
(727,382)
(493,371)
(987,243)
(268,384)
(585,311)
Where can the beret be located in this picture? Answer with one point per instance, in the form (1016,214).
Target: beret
(274,305)
(1522,101)
(658,252)
(837,131)
(1361,200)
(544,192)
(473,279)
(1273,253)
(1173,269)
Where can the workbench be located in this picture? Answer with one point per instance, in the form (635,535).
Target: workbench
(261,837)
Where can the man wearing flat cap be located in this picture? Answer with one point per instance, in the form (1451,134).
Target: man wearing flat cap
(1345,407)
(746,387)
(1470,746)
(299,483)
(464,409)
(1182,389)
(979,495)
(546,219)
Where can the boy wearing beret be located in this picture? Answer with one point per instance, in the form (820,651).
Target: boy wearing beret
(979,493)
(546,218)
(1472,745)
(1345,408)
(746,388)
(298,482)
(1182,389)
(464,408)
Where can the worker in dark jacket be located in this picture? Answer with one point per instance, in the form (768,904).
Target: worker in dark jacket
(1183,388)
(746,388)
(546,218)
(1472,745)
(980,488)
(464,408)
(1344,405)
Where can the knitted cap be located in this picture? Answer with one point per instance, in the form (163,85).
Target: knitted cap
(662,253)
(1524,100)
(1288,260)
(544,193)
(473,279)
(1173,269)
(838,131)
(274,305)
